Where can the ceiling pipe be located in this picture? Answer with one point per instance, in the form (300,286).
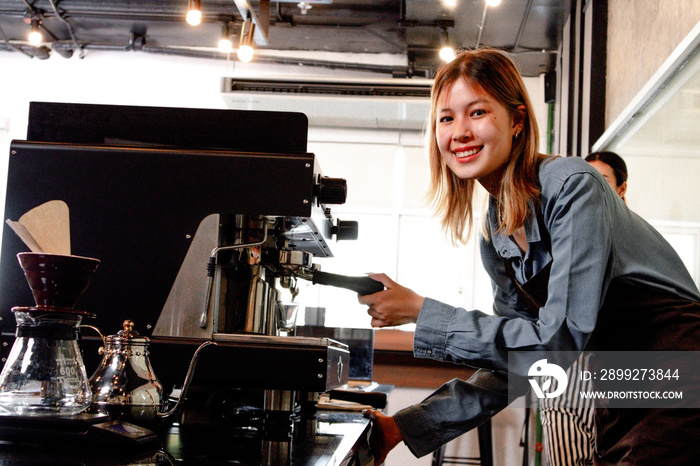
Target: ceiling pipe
(41,52)
(259,59)
(481,26)
(61,17)
(522,24)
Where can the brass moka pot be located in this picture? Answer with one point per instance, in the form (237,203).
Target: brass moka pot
(124,385)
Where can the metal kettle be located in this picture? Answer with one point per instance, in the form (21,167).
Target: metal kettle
(124,384)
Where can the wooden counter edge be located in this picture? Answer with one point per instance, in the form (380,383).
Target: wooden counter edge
(394,363)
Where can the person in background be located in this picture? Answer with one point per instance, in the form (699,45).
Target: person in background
(572,268)
(613,169)
(568,426)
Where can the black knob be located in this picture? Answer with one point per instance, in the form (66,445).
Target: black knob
(331,190)
(345,229)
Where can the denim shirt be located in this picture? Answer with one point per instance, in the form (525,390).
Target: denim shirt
(595,238)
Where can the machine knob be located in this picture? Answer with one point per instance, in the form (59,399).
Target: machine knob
(345,230)
(331,190)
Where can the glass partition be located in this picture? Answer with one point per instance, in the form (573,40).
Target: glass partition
(658,135)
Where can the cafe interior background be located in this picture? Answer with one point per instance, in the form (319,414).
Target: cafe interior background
(619,75)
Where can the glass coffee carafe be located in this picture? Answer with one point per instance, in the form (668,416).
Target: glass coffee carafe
(44,373)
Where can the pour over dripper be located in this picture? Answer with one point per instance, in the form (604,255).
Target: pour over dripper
(45,373)
(57,280)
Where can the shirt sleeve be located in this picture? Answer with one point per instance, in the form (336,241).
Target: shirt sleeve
(574,212)
(456,407)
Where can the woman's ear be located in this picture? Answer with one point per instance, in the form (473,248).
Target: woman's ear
(519,118)
(622,190)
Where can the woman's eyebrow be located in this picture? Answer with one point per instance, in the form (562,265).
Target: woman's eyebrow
(471,103)
(478,101)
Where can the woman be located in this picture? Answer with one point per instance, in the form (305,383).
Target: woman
(571,266)
(613,169)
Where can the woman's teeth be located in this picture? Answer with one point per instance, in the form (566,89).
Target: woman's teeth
(468,153)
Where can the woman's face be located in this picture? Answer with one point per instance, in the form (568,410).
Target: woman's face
(474,133)
(609,175)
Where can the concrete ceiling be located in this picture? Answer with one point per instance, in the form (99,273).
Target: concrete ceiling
(410,29)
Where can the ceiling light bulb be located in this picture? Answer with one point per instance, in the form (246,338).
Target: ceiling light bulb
(194,17)
(194,13)
(34,33)
(35,38)
(493,2)
(449,3)
(225,45)
(447,54)
(245,47)
(245,53)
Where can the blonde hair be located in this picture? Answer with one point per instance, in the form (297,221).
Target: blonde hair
(453,197)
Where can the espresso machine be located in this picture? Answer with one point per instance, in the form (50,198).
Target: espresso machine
(201,220)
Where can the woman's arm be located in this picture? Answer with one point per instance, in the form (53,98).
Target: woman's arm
(581,248)
(456,408)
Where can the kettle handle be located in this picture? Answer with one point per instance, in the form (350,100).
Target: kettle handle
(92,327)
(188,379)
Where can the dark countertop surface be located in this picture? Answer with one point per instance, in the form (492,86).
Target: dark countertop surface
(330,438)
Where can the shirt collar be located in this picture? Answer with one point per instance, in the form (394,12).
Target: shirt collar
(503,244)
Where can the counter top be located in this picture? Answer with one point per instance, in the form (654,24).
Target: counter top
(332,438)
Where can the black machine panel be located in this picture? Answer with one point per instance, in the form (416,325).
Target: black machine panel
(249,130)
(136,210)
(137,181)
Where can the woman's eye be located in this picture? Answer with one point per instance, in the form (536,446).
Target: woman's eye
(445,119)
(478,112)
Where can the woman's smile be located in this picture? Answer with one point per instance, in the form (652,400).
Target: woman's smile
(466,154)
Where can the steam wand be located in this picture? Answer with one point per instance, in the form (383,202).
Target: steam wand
(211,269)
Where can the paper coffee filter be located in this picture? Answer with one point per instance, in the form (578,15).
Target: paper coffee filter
(45,228)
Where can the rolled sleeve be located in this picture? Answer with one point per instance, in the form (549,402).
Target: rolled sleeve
(455,408)
(430,336)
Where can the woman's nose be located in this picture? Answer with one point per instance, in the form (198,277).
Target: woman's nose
(462,133)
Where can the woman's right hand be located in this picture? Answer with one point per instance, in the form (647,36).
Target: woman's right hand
(384,436)
(396,305)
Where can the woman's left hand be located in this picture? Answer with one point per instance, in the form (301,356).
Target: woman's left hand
(384,436)
(397,305)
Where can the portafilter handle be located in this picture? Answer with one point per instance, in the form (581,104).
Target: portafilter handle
(361,285)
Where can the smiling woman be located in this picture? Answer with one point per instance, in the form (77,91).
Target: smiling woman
(552,233)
